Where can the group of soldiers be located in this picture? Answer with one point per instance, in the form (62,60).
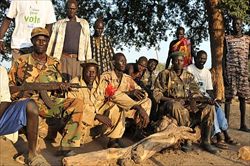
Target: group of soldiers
(109,91)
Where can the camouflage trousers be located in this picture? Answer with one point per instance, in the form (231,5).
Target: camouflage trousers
(117,117)
(69,111)
(204,116)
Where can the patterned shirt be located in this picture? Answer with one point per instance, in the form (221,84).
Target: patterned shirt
(169,84)
(102,52)
(236,71)
(182,45)
(28,69)
(56,42)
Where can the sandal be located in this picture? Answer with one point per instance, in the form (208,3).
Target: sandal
(19,158)
(38,160)
(221,144)
(230,141)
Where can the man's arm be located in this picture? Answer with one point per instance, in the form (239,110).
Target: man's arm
(169,55)
(49,28)
(4,27)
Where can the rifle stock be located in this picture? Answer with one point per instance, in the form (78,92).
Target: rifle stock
(43,86)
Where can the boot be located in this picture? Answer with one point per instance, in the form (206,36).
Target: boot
(187,147)
(114,143)
(205,139)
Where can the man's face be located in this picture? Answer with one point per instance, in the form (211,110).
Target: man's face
(120,63)
(237,25)
(99,27)
(89,74)
(40,44)
(152,65)
(200,60)
(71,10)
(142,65)
(180,34)
(178,63)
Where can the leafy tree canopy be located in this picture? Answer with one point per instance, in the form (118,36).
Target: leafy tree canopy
(146,22)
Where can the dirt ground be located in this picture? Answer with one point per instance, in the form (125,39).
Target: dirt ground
(168,157)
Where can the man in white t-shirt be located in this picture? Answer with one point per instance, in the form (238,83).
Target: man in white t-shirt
(27,14)
(18,114)
(204,79)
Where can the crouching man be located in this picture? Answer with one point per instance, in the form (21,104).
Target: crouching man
(173,89)
(105,104)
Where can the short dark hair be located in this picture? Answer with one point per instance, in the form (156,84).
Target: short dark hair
(117,55)
(199,53)
(153,60)
(72,1)
(142,58)
(100,19)
(180,28)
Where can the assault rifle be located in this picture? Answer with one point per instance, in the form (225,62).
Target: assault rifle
(42,89)
(192,102)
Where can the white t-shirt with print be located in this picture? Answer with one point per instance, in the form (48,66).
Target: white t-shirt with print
(202,77)
(29,14)
(4,85)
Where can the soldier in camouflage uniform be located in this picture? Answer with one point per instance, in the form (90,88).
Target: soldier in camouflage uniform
(173,87)
(40,68)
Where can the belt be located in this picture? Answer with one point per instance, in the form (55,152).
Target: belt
(70,55)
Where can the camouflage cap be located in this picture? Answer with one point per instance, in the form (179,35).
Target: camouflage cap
(88,62)
(176,54)
(39,31)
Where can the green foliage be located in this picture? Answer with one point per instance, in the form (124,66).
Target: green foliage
(145,22)
(232,8)
(236,9)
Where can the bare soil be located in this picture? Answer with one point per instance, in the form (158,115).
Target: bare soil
(168,157)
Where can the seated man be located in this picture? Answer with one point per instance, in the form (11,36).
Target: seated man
(204,80)
(139,68)
(147,83)
(37,67)
(120,89)
(173,88)
(19,114)
(98,109)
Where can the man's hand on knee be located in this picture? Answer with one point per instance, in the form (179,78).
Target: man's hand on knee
(141,117)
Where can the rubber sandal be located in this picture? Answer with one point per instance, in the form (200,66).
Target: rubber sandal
(221,145)
(38,160)
(20,159)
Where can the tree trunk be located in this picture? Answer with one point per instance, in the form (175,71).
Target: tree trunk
(168,134)
(217,32)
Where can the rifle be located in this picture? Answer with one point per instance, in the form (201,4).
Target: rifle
(42,89)
(193,101)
